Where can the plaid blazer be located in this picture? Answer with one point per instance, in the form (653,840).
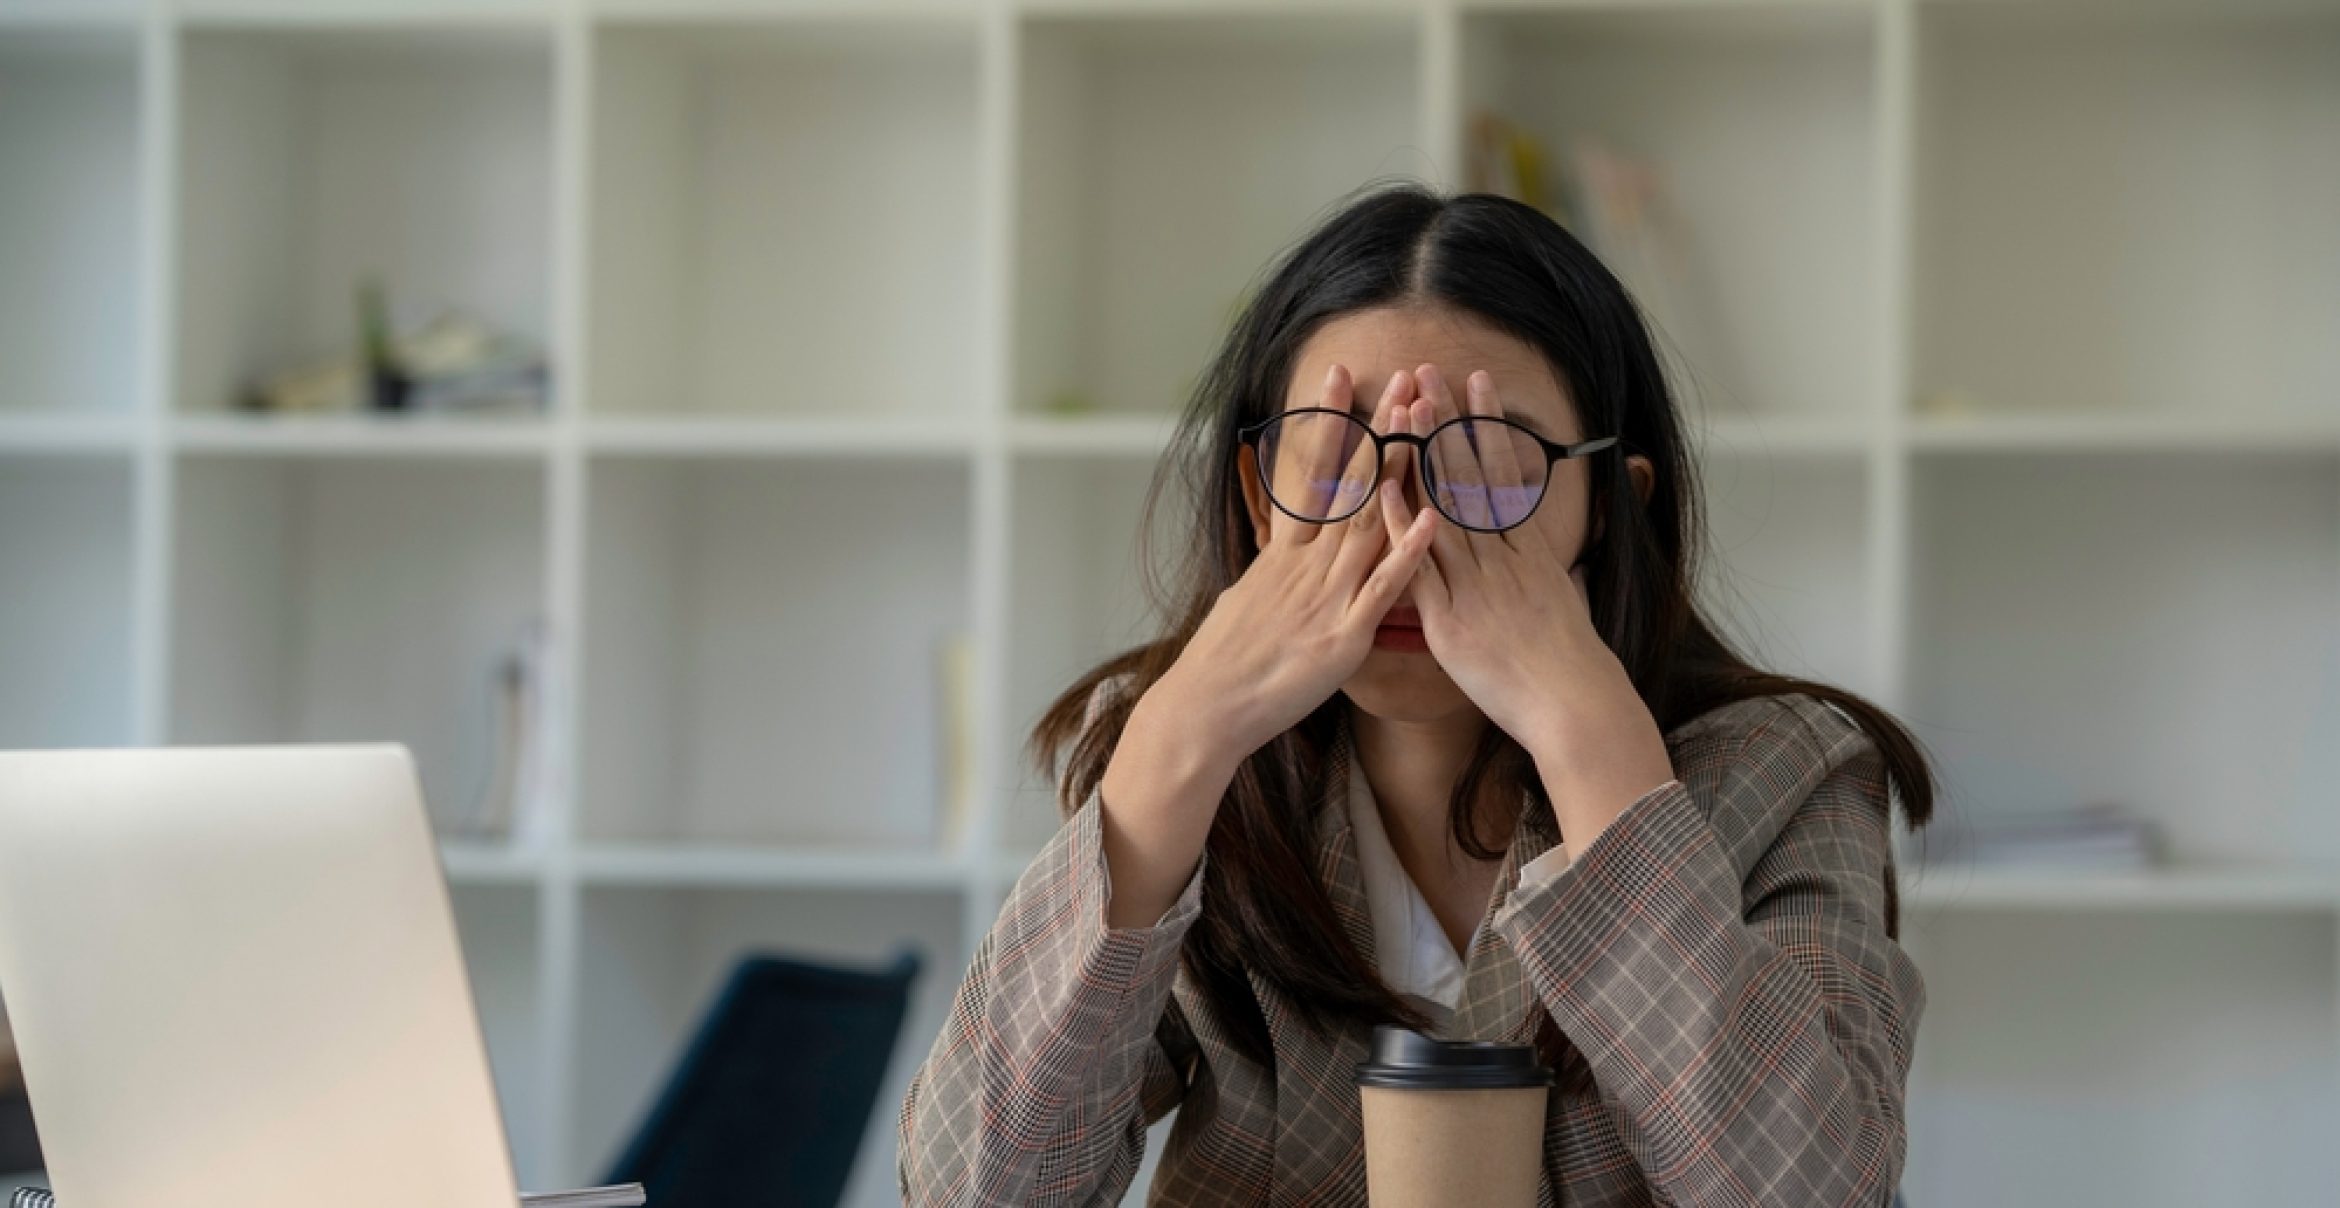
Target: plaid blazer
(1738,1023)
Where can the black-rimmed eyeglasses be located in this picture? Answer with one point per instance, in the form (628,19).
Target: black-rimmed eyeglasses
(1484,473)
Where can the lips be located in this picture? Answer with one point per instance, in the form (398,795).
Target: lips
(1401,630)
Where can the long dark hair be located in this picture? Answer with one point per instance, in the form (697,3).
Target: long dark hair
(1515,268)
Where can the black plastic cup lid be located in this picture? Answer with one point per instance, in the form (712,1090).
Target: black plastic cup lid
(1408,1060)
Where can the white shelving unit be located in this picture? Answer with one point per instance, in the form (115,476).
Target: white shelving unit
(2018,401)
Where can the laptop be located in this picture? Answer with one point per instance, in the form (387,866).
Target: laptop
(234,978)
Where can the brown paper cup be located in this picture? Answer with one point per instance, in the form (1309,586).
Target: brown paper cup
(1452,1122)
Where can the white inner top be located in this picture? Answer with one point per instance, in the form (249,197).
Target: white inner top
(1409,947)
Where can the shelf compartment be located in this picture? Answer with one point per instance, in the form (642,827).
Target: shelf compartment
(727,437)
(1946,888)
(368,14)
(70,306)
(65,633)
(2116,433)
(782,217)
(1789,574)
(490,862)
(498,926)
(658,958)
(1077,598)
(1092,436)
(714,866)
(1164,160)
(2082,1029)
(2128,213)
(763,649)
(313,154)
(2093,629)
(1785,437)
(40,432)
(1760,125)
(354,600)
(368,435)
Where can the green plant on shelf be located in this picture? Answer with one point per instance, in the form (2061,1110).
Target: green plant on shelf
(1069,401)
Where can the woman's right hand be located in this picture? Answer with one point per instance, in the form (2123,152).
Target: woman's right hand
(1300,620)
(1275,645)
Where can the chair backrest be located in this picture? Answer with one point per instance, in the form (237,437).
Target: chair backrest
(770,1100)
(20,1146)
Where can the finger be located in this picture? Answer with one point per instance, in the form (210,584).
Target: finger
(1430,591)
(1462,481)
(1386,419)
(1450,546)
(1395,513)
(1365,536)
(1390,416)
(1398,568)
(1507,454)
(1308,473)
(1361,458)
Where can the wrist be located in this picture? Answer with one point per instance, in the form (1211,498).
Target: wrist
(1553,745)
(1184,743)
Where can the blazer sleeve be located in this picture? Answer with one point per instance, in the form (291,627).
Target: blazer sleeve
(1752,1037)
(1063,1044)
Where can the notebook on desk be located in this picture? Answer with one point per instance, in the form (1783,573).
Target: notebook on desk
(235,982)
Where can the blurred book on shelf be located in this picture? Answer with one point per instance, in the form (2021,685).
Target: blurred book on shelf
(1616,203)
(2100,836)
(955,698)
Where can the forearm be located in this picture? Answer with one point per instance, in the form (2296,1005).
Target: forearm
(1591,776)
(1160,794)
(1748,1050)
(1040,1086)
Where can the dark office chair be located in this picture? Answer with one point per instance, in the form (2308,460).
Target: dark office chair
(772,1097)
(20,1146)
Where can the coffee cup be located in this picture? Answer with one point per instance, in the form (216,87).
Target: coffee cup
(1452,1121)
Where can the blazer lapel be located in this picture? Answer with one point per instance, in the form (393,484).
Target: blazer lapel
(1320,1125)
(1497,1003)
(1319,1141)
(1337,866)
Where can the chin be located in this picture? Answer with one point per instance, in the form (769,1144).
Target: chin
(1405,687)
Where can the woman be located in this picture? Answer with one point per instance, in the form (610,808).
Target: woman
(1439,738)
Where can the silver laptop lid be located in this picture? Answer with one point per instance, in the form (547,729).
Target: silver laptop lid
(234,979)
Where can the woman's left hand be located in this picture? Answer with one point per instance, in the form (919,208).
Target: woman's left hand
(1510,621)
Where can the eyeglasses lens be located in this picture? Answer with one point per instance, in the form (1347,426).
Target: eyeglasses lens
(1486,475)
(1317,465)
